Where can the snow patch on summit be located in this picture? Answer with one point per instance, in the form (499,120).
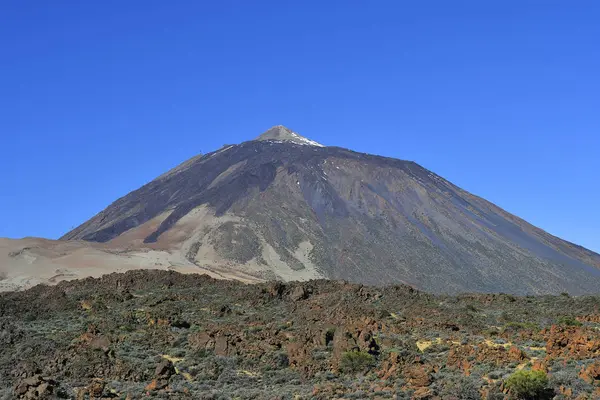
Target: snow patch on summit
(305,141)
(280,133)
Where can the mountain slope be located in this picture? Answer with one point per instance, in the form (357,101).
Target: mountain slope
(283,206)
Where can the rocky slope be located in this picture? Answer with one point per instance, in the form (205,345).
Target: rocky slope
(285,207)
(165,335)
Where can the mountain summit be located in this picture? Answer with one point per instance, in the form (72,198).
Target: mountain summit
(282,134)
(285,207)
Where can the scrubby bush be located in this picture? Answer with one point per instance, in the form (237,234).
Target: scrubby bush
(527,384)
(517,326)
(459,387)
(568,321)
(497,374)
(495,393)
(471,308)
(356,361)
(329,336)
(569,378)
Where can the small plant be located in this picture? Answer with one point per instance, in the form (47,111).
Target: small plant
(436,348)
(356,361)
(568,321)
(329,336)
(459,387)
(471,308)
(505,316)
(491,332)
(517,326)
(527,385)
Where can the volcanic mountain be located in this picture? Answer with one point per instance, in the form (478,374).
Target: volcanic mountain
(285,207)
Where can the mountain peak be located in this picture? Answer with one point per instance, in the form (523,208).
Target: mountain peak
(284,134)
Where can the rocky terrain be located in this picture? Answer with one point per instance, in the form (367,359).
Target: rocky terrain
(158,334)
(285,207)
(287,233)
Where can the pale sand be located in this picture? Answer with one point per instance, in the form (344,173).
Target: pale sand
(30,261)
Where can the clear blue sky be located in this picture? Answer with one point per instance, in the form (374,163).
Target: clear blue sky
(500,97)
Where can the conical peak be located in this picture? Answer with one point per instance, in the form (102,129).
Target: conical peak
(278,132)
(282,134)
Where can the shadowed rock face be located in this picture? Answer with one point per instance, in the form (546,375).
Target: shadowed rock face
(310,211)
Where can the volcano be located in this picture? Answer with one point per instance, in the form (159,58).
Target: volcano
(286,207)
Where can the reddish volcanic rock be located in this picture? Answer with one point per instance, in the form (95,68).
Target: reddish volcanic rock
(591,373)
(573,342)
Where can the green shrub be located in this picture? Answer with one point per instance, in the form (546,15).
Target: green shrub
(568,321)
(356,361)
(527,384)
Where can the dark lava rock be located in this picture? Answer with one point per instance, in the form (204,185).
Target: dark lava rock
(164,370)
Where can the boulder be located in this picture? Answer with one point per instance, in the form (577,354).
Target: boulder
(591,373)
(164,370)
(298,293)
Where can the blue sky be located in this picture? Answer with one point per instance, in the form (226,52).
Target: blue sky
(500,97)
